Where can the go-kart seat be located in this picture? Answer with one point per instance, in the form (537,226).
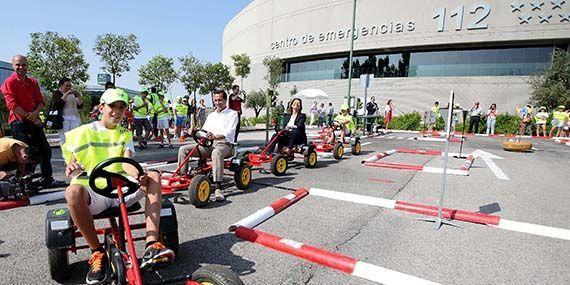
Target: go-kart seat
(116,211)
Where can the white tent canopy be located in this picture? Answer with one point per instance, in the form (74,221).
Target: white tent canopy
(312,94)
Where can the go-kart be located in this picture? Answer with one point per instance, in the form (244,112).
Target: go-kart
(16,187)
(337,146)
(62,234)
(274,154)
(198,180)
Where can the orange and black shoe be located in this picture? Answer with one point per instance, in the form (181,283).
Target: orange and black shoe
(97,268)
(156,256)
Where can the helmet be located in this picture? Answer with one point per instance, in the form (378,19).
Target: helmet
(561,107)
(344,107)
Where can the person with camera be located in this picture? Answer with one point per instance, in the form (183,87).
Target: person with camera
(235,102)
(25,102)
(68,101)
(16,156)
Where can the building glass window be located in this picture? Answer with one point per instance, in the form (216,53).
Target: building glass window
(520,61)
(487,62)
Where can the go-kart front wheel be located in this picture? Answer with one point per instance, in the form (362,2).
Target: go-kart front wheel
(338,151)
(199,190)
(216,275)
(356,148)
(58,264)
(242,177)
(278,165)
(310,159)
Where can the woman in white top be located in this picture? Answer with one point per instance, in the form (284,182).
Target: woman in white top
(69,102)
(491,119)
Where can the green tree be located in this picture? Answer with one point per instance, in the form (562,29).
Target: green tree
(116,51)
(274,67)
(158,72)
(256,100)
(191,74)
(552,87)
(53,57)
(241,65)
(216,75)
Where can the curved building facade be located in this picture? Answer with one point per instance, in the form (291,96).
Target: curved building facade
(417,50)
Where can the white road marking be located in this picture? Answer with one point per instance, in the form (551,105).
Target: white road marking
(534,229)
(385,276)
(354,198)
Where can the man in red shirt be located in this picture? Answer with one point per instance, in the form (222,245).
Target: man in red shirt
(25,101)
(235,104)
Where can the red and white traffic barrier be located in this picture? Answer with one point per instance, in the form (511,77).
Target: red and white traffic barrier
(419,151)
(329,259)
(34,200)
(266,213)
(452,214)
(563,141)
(468,163)
(379,156)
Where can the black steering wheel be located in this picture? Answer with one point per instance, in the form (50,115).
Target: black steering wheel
(336,126)
(114,179)
(200,138)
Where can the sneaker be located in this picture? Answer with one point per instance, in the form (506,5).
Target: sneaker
(170,145)
(219,196)
(160,146)
(156,256)
(97,268)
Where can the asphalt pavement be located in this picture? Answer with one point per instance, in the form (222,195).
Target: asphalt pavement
(533,189)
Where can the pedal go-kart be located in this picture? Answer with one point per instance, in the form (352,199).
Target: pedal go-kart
(337,147)
(198,180)
(16,187)
(61,234)
(279,160)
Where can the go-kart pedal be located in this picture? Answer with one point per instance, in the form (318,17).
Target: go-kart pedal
(156,256)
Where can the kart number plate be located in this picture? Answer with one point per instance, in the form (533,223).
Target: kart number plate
(59,225)
(166,212)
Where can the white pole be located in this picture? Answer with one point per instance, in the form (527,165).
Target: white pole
(445,159)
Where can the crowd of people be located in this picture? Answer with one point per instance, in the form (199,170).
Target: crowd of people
(560,122)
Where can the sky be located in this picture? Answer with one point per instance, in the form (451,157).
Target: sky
(173,28)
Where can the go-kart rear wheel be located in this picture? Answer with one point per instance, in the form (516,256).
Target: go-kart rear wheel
(242,177)
(356,148)
(170,241)
(216,275)
(310,159)
(278,165)
(58,264)
(199,190)
(338,151)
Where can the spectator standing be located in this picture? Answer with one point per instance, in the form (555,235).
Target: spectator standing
(154,116)
(235,102)
(525,113)
(181,112)
(491,119)
(475,117)
(163,114)
(330,114)
(540,121)
(313,111)
(558,118)
(388,111)
(201,114)
(371,109)
(192,114)
(25,101)
(141,109)
(69,102)
(321,112)
(434,114)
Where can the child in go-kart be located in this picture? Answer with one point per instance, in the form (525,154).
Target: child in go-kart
(346,121)
(87,146)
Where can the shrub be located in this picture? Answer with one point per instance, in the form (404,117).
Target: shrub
(507,124)
(409,121)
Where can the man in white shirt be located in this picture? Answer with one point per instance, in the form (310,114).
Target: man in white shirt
(221,126)
(475,112)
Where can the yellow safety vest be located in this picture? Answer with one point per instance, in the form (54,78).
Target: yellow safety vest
(342,119)
(181,109)
(560,116)
(541,117)
(142,112)
(162,113)
(90,147)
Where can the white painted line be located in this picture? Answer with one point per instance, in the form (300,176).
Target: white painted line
(534,229)
(449,171)
(495,169)
(385,276)
(430,139)
(355,198)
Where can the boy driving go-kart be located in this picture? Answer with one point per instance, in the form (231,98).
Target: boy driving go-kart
(220,127)
(346,122)
(87,146)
